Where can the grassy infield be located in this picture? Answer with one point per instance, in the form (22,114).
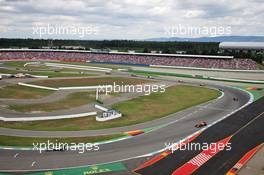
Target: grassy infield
(135,111)
(89,81)
(20,92)
(40,70)
(28,141)
(50,74)
(72,100)
(43,70)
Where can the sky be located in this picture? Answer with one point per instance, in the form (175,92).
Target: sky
(129,19)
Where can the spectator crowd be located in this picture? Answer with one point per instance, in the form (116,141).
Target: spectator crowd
(216,63)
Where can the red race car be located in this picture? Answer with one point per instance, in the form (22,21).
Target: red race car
(201,124)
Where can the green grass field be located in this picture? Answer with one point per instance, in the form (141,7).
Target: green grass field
(20,64)
(41,70)
(138,110)
(28,141)
(112,66)
(103,65)
(89,81)
(22,92)
(261,66)
(6,71)
(15,64)
(72,100)
(45,71)
(50,74)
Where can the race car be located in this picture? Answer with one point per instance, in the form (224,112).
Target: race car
(235,99)
(201,124)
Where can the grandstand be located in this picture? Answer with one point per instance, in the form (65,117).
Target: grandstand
(199,61)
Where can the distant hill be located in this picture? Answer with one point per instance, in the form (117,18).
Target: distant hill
(213,39)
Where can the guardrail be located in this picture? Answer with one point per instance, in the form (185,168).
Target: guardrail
(56,117)
(38,76)
(100,107)
(71,66)
(36,86)
(65,88)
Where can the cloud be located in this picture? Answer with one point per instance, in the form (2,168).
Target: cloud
(130,19)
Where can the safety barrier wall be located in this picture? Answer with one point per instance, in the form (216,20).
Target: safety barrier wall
(84,87)
(47,117)
(66,88)
(36,86)
(38,76)
(100,107)
(100,69)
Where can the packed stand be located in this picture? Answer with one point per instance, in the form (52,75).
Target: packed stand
(246,64)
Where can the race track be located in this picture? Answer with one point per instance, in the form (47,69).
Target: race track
(179,126)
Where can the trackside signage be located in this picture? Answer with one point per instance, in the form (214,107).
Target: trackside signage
(103,168)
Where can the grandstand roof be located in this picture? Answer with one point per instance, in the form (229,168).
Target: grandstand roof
(242,45)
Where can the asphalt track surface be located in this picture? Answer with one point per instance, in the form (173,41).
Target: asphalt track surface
(130,148)
(211,73)
(245,140)
(246,126)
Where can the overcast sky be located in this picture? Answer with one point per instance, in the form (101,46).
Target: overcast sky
(129,19)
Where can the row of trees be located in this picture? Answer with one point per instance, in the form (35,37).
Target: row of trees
(122,45)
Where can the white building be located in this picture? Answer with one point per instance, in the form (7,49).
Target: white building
(242,46)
